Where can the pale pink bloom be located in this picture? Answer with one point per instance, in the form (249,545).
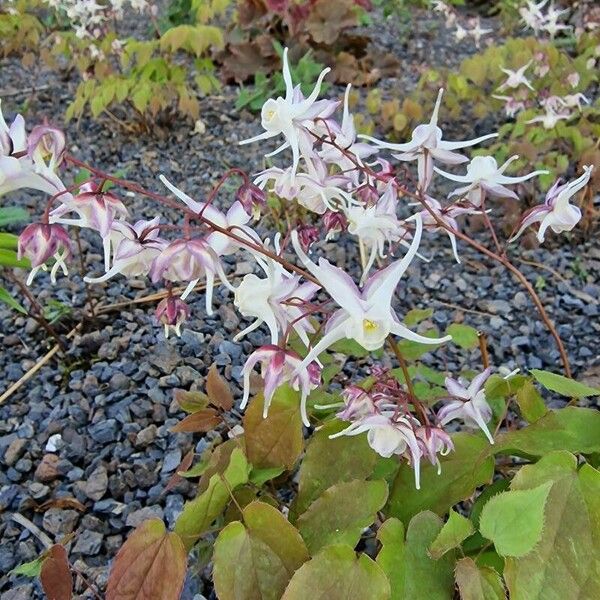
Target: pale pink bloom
(275,300)
(512,106)
(573,79)
(388,435)
(97,210)
(484,176)
(172,312)
(427,145)
(470,403)
(290,115)
(236,219)
(189,260)
(39,242)
(516,78)
(280,366)
(434,441)
(550,119)
(574,100)
(135,248)
(365,316)
(556,212)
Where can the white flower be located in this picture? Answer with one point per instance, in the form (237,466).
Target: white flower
(470,405)
(485,176)
(516,78)
(427,144)
(556,212)
(365,316)
(550,118)
(288,116)
(274,300)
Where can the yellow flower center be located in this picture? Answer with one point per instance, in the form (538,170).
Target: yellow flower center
(369,325)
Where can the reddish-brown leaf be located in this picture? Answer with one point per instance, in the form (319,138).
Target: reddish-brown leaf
(218,390)
(184,465)
(55,576)
(150,565)
(203,420)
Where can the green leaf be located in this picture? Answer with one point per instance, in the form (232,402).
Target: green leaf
(514,520)
(478,583)
(341,513)
(260,476)
(8,258)
(416,315)
(10,301)
(531,403)
(456,529)
(336,573)
(565,563)
(277,440)
(412,573)
(29,569)
(198,514)
(328,462)
(12,215)
(391,556)
(256,560)
(462,472)
(413,350)
(464,336)
(564,386)
(9,241)
(572,428)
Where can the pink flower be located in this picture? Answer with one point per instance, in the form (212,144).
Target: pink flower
(189,260)
(556,212)
(434,440)
(172,312)
(251,197)
(470,403)
(39,242)
(280,366)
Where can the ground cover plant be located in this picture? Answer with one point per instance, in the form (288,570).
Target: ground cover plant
(376,466)
(363,445)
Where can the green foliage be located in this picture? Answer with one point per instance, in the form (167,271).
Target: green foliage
(264,551)
(563,386)
(514,520)
(336,573)
(455,531)
(463,471)
(341,513)
(478,583)
(464,336)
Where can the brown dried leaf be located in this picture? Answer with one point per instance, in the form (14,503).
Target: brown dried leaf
(60,503)
(200,421)
(218,389)
(328,19)
(55,576)
(150,565)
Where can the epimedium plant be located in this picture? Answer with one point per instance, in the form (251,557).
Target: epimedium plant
(334,489)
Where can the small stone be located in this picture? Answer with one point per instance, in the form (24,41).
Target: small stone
(88,543)
(146,436)
(60,522)
(97,483)
(171,461)
(54,443)
(104,432)
(38,490)
(148,512)
(47,470)
(119,381)
(14,451)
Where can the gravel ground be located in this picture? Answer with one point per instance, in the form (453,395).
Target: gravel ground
(95,427)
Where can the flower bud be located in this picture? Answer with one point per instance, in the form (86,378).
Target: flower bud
(307,236)
(172,312)
(41,241)
(251,197)
(335,222)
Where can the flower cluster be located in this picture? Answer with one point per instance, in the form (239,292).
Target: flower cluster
(345,181)
(471,28)
(518,94)
(89,17)
(534,18)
